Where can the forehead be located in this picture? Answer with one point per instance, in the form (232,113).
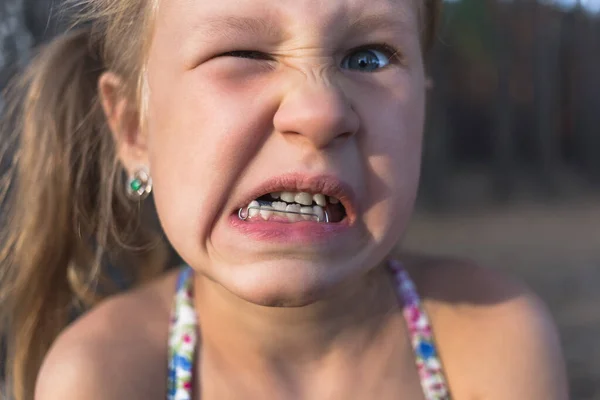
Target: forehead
(212,16)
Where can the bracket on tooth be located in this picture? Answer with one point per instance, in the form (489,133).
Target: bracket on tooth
(245,216)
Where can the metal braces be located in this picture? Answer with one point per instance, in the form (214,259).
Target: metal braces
(245,217)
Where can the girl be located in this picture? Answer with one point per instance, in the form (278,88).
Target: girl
(281,141)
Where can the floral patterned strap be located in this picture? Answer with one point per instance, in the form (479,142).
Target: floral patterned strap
(183,338)
(428,362)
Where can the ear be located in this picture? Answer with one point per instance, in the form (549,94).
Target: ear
(123,119)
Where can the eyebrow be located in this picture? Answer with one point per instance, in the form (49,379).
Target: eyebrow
(240,25)
(262,27)
(374,22)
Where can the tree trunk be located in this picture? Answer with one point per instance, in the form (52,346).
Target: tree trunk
(546,105)
(436,169)
(504,152)
(587,113)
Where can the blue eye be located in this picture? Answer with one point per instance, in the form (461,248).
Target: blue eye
(367,59)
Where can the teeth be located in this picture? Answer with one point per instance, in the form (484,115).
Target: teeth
(292,212)
(288,197)
(253,212)
(308,211)
(266,213)
(293,208)
(320,200)
(279,206)
(306,199)
(318,211)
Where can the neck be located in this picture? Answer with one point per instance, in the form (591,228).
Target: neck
(351,325)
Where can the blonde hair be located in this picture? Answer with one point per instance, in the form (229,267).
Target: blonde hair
(65,209)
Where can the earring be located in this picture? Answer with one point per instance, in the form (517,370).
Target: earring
(139,185)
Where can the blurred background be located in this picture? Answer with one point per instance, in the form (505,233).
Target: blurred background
(511,170)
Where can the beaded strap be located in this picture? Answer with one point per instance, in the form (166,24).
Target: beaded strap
(183,338)
(428,362)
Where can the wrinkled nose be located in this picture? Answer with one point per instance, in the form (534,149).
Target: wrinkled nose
(319,112)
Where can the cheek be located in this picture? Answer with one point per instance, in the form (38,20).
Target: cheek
(392,150)
(200,139)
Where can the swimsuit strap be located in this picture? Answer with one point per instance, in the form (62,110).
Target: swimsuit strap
(427,359)
(183,338)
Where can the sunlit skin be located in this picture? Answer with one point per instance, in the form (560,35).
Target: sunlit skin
(240,93)
(220,125)
(230,123)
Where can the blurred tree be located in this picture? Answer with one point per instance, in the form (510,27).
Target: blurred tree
(15,42)
(44,19)
(504,151)
(15,39)
(586,43)
(436,134)
(547,22)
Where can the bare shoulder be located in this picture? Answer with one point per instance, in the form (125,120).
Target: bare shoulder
(496,338)
(118,350)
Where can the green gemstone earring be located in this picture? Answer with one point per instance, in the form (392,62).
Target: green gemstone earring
(139,185)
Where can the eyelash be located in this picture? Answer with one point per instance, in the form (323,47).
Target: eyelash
(393,54)
(248,54)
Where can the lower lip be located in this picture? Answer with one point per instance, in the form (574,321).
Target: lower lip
(282,232)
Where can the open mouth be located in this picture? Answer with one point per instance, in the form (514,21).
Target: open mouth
(290,207)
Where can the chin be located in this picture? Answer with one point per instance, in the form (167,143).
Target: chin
(296,282)
(286,282)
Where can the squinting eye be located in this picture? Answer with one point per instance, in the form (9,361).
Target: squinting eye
(249,54)
(367,59)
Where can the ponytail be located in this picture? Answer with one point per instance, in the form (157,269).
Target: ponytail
(66,211)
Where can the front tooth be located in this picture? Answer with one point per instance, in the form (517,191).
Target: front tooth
(307,213)
(318,211)
(333,200)
(266,213)
(305,199)
(253,209)
(275,195)
(320,200)
(295,208)
(288,197)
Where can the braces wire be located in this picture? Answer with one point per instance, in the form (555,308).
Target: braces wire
(247,215)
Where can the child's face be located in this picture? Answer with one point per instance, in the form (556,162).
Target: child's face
(317,98)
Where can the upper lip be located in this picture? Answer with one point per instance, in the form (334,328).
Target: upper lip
(328,185)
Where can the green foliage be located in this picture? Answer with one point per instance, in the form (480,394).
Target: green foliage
(468,25)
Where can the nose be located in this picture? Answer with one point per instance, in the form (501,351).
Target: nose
(317,111)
